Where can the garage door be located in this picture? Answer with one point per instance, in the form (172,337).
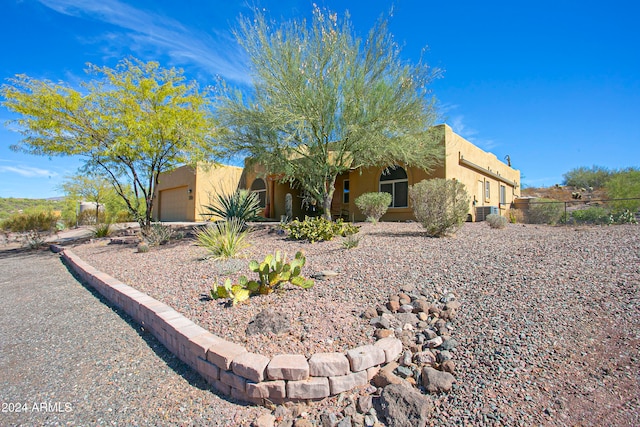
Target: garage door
(173,204)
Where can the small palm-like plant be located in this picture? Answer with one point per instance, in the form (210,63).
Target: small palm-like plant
(102,230)
(241,204)
(223,239)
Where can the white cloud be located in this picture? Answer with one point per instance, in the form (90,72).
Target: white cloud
(28,171)
(217,53)
(460,127)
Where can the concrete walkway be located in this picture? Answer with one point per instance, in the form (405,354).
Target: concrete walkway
(68,358)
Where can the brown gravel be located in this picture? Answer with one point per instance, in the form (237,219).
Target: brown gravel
(548,331)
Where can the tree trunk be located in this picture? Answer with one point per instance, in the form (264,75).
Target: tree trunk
(328,198)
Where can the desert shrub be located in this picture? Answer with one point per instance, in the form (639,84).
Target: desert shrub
(223,239)
(496,221)
(143,247)
(440,205)
(122,216)
(319,229)
(624,184)
(102,230)
(273,273)
(241,204)
(351,241)
(592,215)
(33,239)
(545,211)
(515,216)
(158,234)
(373,205)
(37,221)
(584,177)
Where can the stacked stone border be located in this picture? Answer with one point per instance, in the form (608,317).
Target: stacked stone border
(230,368)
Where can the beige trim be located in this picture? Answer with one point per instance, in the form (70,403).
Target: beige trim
(486,171)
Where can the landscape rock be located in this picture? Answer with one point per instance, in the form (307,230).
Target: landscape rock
(369,313)
(424,358)
(404,406)
(449,344)
(265,420)
(435,381)
(268,321)
(365,403)
(448,366)
(328,419)
(407,318)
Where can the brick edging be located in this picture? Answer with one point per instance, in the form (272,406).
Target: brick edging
(230,368)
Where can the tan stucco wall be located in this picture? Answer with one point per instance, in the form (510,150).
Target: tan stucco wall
(199,187)
(476,166)
(458,148)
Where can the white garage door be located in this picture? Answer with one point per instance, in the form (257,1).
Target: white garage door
(173,204)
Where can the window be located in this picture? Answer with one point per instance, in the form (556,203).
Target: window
(394,181)
(345,191)
(487,190)
(260,188)
(503,195)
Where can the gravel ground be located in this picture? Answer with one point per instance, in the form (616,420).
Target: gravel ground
(549,330)
(69,358)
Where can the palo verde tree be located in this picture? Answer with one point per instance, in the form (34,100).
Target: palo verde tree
(132,123)
(90,188)
(325,101)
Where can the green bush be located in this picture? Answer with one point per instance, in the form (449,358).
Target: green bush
(584,177)
(241,204)
(592,215)
(440,205)
(373,205)
(319,229)
(624,185)
(102,230)
(223,239)
(545,211)
(351,241)
(158,234)
(33,239)
(38,221)
(273,273)
(496,221)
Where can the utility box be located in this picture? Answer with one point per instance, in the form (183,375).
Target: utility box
(483,211)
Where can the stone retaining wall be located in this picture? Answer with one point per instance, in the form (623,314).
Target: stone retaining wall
(231,368)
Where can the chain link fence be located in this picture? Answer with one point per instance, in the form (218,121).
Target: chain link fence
(594,212)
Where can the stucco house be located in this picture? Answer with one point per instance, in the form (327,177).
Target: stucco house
(491,184)
(182,193)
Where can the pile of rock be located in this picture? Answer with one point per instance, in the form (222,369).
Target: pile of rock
(422,322)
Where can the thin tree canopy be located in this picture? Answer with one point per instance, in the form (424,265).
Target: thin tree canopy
(325,101)
(134,122)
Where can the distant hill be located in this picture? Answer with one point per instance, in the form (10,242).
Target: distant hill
(11,205)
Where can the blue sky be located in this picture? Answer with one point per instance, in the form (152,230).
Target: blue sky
(553,84)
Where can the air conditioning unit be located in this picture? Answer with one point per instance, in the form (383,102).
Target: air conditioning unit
(483,211)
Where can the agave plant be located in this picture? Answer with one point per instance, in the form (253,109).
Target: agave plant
(241,204)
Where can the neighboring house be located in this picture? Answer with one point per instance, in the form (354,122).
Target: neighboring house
(182,193)
(492,185)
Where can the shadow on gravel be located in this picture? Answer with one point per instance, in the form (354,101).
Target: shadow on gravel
(400,234)
(192,377)
(21,252)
